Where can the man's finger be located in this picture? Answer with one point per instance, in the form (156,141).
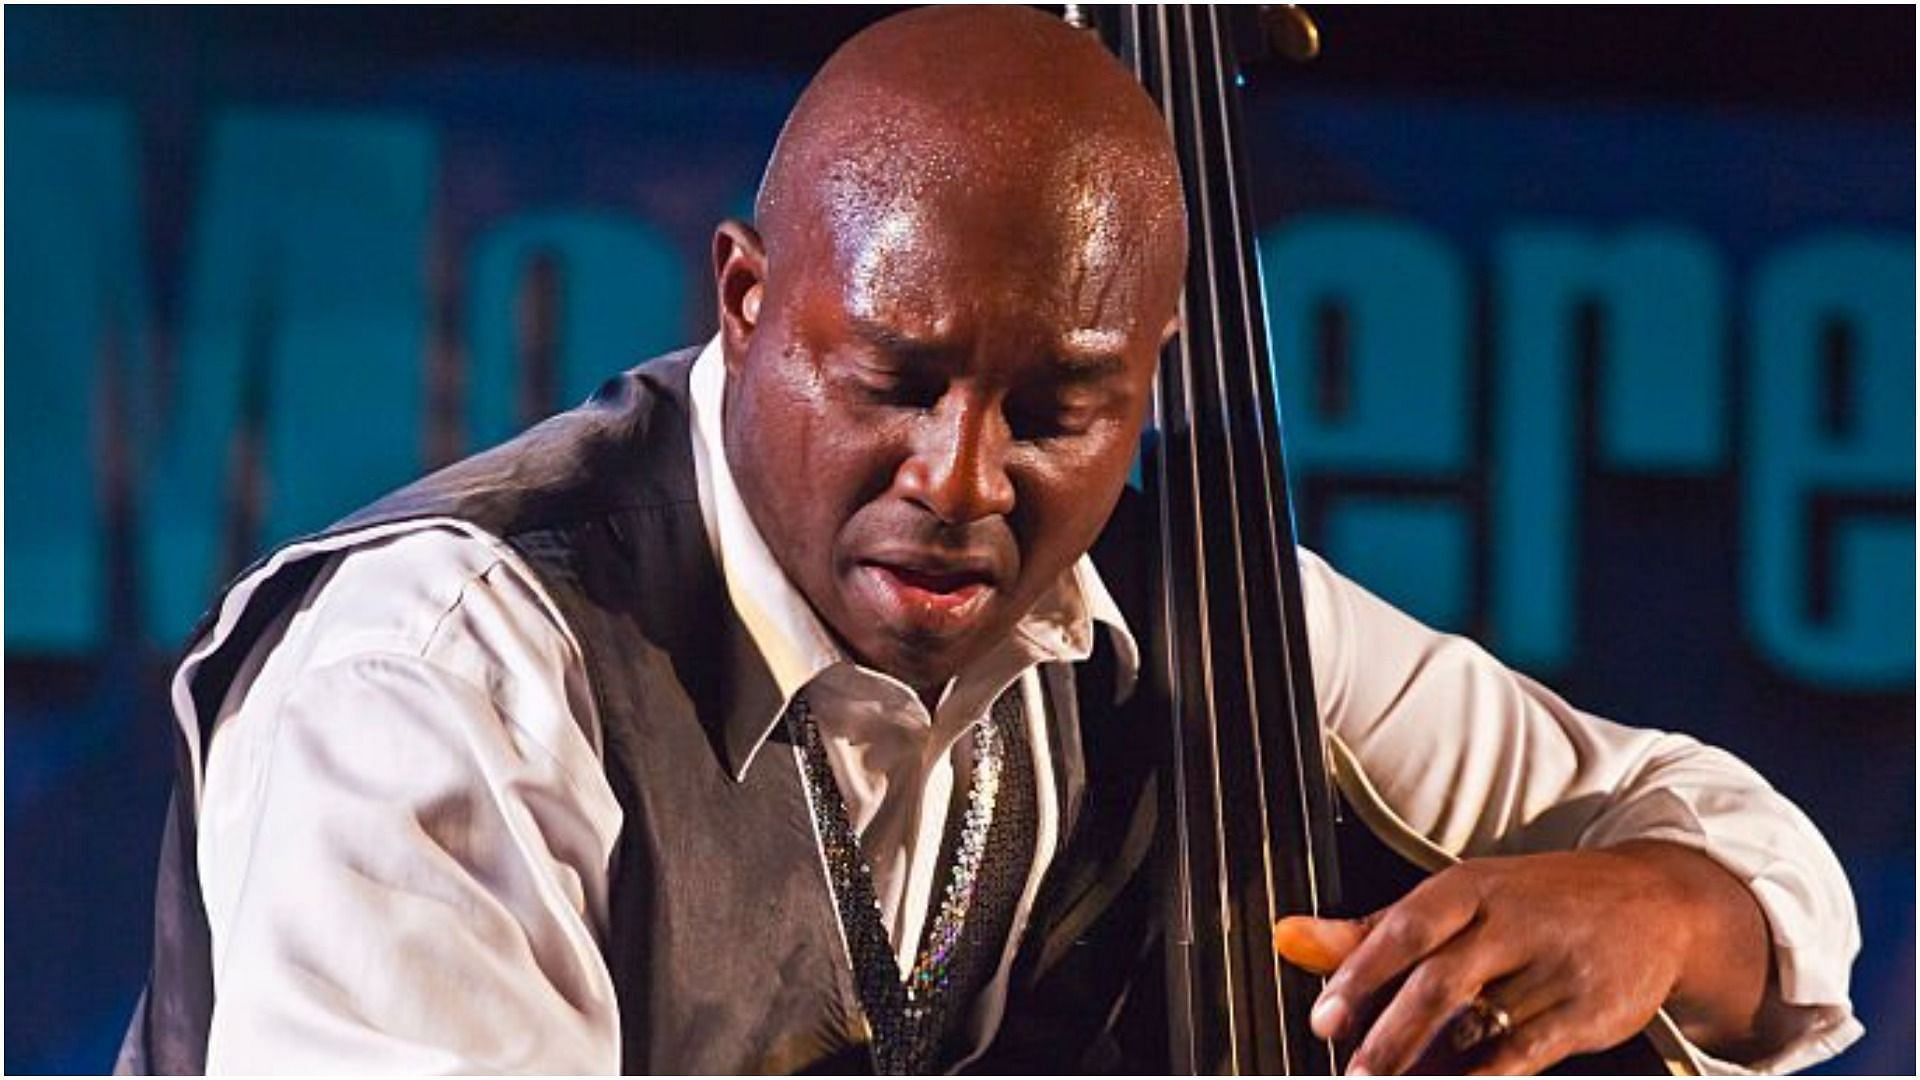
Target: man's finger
(1433,996)
(1534,1046)
(1318,945)
(1398,938)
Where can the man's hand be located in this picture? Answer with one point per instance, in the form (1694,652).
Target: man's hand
(1579,949)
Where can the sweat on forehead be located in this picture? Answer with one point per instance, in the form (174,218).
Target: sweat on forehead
(1005,103)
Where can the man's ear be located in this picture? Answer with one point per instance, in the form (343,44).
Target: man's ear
(739,281)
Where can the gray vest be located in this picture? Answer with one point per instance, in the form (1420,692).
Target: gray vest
(723,944)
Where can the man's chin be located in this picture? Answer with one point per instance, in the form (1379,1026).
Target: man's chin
(925,662)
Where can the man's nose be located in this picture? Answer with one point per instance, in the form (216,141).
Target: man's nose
(958,468)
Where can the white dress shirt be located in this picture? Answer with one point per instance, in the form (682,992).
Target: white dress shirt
(406,828)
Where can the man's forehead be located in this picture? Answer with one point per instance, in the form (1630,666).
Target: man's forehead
(923,251)
(1079,352)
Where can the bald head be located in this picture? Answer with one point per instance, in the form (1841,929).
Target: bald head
(994,103)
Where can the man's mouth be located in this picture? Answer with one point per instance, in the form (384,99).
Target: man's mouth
(944,582)
(927,597)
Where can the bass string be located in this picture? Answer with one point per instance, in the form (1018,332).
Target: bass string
(1177,417)
(1185,421)
(1208,430)
(1265,439)
(1177,410)
(1303,730)
(1141,40)
(1215,165)
(1214,429)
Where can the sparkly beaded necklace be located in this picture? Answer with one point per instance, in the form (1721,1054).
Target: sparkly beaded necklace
(986,857)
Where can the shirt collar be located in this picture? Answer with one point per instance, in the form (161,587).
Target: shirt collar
(782,627)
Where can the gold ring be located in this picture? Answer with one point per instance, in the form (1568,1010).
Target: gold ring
(1483,1020)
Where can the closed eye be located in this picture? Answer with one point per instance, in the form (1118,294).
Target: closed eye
(1052,416)
(898,387)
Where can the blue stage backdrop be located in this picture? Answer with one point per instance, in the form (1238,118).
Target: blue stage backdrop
(1625,391)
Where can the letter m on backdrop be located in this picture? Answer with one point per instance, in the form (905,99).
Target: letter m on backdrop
(300,317)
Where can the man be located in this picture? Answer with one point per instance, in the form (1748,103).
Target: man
(756,716)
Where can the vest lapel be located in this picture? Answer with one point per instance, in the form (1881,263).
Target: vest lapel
(1063,738)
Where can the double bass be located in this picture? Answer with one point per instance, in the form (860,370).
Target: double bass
(1259,795)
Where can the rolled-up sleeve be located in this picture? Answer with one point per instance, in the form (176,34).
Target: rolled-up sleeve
(1483,760)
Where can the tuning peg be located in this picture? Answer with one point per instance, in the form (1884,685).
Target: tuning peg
(1291,31)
